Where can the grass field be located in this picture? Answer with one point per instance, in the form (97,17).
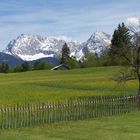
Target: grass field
(45,85)
(123,127)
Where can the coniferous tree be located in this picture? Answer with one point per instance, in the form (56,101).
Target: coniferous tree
(121,42)
(65,54)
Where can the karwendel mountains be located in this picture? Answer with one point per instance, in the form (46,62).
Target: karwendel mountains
(33,48)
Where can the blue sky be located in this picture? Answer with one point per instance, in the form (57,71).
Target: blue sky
(77,19)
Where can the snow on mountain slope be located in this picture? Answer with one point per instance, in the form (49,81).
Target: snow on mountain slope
(30,48)
(98,42)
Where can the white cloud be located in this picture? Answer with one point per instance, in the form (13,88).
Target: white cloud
(133,21)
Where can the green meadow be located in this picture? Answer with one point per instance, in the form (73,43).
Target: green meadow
(41,86)
(35,86)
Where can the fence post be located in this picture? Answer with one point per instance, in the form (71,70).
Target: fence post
(93,107)
(9,116)
(2,112)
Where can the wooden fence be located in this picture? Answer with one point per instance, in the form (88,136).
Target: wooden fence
(18,116)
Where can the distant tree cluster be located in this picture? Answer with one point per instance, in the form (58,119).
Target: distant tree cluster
(37,65)
(41,65)
(22,68)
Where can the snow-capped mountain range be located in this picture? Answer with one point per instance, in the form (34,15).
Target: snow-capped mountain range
(31,47)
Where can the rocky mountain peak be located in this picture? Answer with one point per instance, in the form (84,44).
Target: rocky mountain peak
(33,47)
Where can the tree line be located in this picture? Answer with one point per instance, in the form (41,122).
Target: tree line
(124,50)
(25,66)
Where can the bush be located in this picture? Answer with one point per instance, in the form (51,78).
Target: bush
(38,65)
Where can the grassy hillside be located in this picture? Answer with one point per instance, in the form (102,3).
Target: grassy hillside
(45,85)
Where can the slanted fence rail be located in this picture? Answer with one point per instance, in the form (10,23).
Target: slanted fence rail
(18,116)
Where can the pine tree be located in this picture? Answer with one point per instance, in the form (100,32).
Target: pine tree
(121,42)
(65,54)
